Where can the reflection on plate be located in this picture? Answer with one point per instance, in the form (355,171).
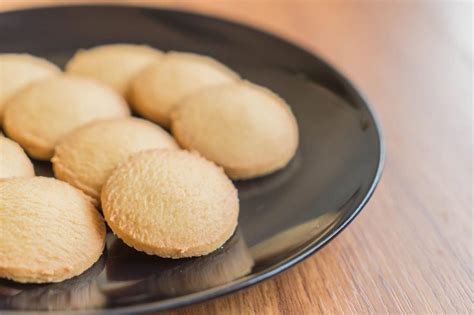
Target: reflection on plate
(74,294)
(293,237)
(150,277)
(155,277)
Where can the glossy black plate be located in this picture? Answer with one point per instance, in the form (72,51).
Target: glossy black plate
(284,217)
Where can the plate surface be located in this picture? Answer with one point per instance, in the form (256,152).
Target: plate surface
(284,217)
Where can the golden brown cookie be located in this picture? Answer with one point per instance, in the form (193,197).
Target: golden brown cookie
(19,70)
(13,160)
(157,89)
(86,156)
(114,65)
(45,111)
(243,127)
(170,203)
(49,231)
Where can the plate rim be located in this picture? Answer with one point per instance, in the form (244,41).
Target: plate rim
(312,247)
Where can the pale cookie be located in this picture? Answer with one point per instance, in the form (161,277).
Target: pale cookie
(19,70)
(243,127)
(86,157)
(45,111)
(114,65)
(13,160)
(170,203)
(49,231)
(157,89)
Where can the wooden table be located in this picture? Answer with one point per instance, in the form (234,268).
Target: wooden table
(411,248)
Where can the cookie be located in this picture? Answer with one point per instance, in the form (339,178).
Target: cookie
(170,203)
(157,89)
(39,115)
(114,65)
(243,127)
(49,231)
(19,70)
(13,160)
(86,156)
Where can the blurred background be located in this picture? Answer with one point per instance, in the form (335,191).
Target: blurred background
(411,249)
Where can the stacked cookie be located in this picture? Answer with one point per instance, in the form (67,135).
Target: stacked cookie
(166,195)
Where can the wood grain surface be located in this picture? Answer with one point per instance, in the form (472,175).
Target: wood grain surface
(411,248)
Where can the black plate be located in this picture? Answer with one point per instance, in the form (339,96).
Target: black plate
(284,217)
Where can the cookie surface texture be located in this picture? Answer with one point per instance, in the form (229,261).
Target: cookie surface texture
(86,157)
(157,89)
(114,65)
(13,160)
(170,203)
(47,110)
(243,127)
(19,70)
(49,231)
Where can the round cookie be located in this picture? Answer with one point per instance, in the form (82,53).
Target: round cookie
(49,231)
(170,203)
(13,160)
(114,65)
(243,127)
(39,115)
(157,89)
(86,156)
(19,70)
